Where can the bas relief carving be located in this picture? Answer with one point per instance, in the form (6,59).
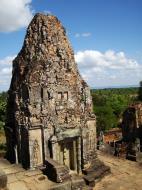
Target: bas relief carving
(36,153)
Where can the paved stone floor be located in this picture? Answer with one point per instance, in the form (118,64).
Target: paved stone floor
(125,174)
(20,179)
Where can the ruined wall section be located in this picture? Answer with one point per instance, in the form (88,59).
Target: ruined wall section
(132,125)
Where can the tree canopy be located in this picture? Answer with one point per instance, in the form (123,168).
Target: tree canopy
(109,105)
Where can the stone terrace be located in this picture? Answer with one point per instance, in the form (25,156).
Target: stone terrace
(125,175)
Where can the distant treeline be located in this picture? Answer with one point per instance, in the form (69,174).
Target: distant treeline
(127,91)
(109,105)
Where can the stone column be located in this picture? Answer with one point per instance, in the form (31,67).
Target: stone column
(79,155)
(66,157)
(31,155)
(55,148)
(61,155)
(19,143)
(141,144)
(56,151)
(74,155)
(16,154)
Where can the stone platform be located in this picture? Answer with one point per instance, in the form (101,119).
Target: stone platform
(19,178)
(125,174)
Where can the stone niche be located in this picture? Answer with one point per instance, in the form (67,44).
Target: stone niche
(49,113)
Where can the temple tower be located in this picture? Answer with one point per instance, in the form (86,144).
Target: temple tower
(49,112)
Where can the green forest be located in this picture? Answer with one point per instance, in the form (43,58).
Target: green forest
(109,105)
(3,102)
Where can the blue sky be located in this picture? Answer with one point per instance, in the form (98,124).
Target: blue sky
(106,36)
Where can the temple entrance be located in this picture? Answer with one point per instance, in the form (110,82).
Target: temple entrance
(67,152)
(70,155)
(68,148)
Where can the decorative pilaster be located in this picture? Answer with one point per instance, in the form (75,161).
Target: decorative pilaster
(79,155)
(75,155)
(54,146)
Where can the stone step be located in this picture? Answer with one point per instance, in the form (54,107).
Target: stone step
(56,172)
(96,175)
(97,164)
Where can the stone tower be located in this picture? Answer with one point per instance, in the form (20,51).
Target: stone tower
(49,113)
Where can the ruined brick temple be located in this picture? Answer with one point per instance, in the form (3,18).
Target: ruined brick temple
(49,113)
(132,130)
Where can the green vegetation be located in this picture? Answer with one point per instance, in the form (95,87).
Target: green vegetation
(109,105)
(3,103)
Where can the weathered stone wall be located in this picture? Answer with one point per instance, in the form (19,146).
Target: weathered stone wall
(129,124)
(48,100)
(132,128)
(132,121)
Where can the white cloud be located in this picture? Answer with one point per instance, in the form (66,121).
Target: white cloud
(7,61)
(98,69)
(14,14)
(47,12)
(5,72)
(109,68)
(87,34)
(77,35)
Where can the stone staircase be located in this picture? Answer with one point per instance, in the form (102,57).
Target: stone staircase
(95,173)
